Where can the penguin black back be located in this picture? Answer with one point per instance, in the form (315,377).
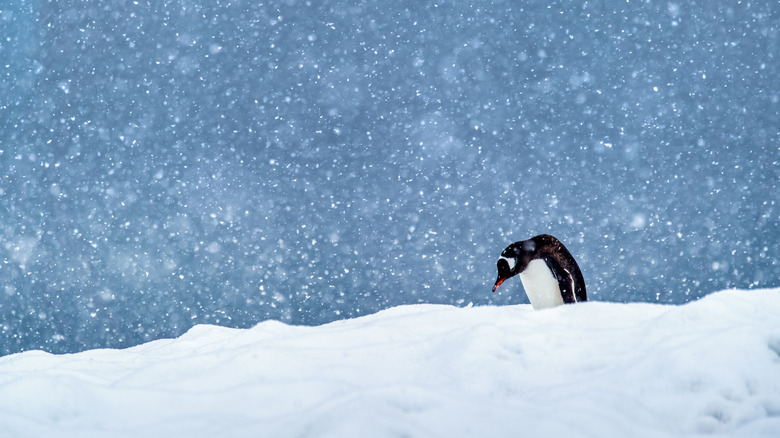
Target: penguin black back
(549,273)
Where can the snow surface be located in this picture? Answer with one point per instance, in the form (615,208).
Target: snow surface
(592,369)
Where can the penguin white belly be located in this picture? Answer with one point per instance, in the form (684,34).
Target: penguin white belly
(540,285)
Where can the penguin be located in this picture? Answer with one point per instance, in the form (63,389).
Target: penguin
(548,271)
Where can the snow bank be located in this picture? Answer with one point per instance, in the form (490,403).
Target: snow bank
(592,369)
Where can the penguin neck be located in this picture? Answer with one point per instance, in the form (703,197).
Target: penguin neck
(540,285)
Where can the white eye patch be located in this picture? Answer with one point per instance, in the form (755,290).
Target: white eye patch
(510,261)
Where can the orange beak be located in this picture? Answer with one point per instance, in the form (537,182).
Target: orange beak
(498,283)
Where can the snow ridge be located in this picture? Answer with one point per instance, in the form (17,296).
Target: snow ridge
(591,369)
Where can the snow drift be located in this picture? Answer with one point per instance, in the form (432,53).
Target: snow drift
(592,369)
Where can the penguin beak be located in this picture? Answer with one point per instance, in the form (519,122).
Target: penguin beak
(499,280)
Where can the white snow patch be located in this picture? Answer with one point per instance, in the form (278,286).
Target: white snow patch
(590,369)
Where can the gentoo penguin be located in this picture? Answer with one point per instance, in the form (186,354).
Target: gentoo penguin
(549,273)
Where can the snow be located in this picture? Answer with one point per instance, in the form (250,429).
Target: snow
(602,369)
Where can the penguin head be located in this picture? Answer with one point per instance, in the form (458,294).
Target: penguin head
(514,259)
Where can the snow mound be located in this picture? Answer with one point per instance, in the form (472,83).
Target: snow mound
(592,369)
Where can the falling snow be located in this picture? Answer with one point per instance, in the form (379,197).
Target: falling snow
(171,163)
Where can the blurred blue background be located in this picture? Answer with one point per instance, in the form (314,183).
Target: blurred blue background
(170,163)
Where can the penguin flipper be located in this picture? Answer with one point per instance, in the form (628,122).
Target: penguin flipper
(578,282)
(579,288)
(564,278)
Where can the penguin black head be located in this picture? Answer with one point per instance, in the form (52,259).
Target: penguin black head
(514,259)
